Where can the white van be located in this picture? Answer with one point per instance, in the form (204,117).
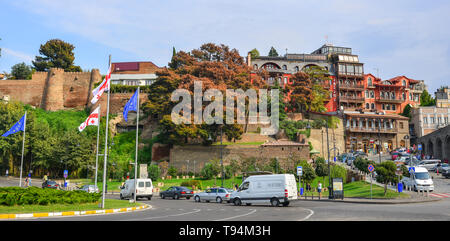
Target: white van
(419,180)
(271,189)
(144,189)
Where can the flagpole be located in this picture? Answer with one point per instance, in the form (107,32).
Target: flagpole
(106,142)
(98,136)
(23,148)
(137,144)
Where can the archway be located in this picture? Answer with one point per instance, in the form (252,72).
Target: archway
(439,153)
(430,148)
(447,148)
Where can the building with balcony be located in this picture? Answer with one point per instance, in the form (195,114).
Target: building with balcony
(133,73)
(373,132)
(391,96)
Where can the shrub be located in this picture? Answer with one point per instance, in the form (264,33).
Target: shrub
(191,183)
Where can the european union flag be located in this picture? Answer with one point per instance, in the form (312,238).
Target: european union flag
(130,106)
(19,126)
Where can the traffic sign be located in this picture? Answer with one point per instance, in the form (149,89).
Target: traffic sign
(299,171)
(371,168)
(411,169)
(66,173)
(419,147)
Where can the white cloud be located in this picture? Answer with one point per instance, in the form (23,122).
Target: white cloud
(8,53)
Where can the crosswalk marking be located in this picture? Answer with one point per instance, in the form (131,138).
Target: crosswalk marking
(440,195)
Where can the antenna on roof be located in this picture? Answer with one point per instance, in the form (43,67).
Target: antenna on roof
(326,39)
(378,74)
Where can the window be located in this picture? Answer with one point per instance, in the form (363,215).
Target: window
(425,120)
(369,81)
(388,107)
(372,94)
(284,67)
(403,82)
(393,107)
(296,69)
(367,106)
(432,120)
(255,66)
(382,106)
(373,106)
(401,125)
(244,186)
(446,120)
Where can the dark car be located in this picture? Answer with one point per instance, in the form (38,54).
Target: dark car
(177,193)
(50,184)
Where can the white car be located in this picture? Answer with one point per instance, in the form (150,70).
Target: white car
(419,180)
(89,188)
(144,189)
(429,164)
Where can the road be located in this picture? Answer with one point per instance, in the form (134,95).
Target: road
(302,210)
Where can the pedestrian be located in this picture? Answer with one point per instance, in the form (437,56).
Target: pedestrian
(25,183)
(7,172)
(236,187)
(319,189)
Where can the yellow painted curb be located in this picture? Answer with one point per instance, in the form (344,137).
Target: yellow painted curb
(72,213)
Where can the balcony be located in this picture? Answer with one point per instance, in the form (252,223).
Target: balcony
(372,130)
(351,99)
(388,100)
(351,87)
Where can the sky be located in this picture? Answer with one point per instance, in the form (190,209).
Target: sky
(392,38)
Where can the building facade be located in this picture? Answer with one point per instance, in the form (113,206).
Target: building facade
(373,132)
(393,95)
(133,73)
(427,119)
(443,97)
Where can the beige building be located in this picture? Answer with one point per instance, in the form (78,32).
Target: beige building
(443,97)
(372,132)
(427,119)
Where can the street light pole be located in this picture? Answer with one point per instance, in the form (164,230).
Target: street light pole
(379,140)
(329,170)
(221,154)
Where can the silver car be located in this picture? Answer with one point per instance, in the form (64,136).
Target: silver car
(218,195)
(89,188)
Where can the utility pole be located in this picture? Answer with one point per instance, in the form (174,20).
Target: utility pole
(329,169)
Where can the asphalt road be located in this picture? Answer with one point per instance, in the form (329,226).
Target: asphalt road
(302,210)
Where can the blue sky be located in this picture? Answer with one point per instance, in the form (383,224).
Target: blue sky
(402,37)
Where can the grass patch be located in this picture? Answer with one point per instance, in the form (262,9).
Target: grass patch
(361,189)
(109,204)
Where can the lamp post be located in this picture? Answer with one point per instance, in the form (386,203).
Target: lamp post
(379,140)
(329,169)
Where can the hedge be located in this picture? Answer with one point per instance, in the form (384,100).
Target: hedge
(10,196)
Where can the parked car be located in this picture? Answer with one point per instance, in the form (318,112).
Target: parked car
(89,188)
(429,164)
(271,189)
(50,184)
(360,153)
(441,167)
(214,194)
(144,189)
(177,192)
(394,155)
(446,173)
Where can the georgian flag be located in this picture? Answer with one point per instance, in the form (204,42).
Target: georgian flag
(104,86)
(92,120)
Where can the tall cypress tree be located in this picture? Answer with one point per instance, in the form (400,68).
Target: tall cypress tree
(273,52)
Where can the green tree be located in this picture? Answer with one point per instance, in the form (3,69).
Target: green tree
(386,174)
(273,52)
(254,53)
(321,168)
(407,111)
(21,71)
(56,54)
(426,99)
(154,172)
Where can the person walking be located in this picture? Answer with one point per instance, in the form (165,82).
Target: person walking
(25,183)
(319,189)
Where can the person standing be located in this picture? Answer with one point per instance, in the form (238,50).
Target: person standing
(7,172)
(319,189)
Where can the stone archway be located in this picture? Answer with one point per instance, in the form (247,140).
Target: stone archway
(447,148)
(430,148)
(438,153)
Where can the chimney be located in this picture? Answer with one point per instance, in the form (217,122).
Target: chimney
(249,59)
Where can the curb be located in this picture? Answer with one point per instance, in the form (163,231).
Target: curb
(374,201)
(74,213)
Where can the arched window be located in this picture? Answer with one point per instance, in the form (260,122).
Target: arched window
(367,106)
(255,66)
(296,69)
(372,94)
(284,67)
(369,81)
(373,106)
(404,82)
(367,95)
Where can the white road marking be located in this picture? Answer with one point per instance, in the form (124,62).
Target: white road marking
(166,216)
(307,217)
(254,210)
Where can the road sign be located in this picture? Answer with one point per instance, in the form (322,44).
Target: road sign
(299,171)
(419,147)
(371,168)
(66,173)
(411,169)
